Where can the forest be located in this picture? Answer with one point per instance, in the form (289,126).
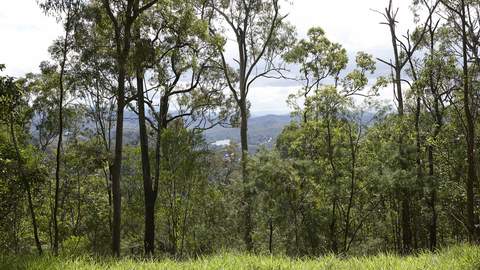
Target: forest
(348,176)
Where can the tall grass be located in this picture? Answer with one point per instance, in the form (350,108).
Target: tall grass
(460,257)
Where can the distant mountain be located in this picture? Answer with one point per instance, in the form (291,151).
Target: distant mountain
(262,131)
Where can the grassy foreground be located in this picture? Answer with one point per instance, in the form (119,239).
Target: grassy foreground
(462,257)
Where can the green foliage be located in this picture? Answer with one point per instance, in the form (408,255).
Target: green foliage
(13,101)
(319,58)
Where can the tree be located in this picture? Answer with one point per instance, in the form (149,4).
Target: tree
(319,58)
(433,86)
(462,20)
(122,17)
(399,62)
(67,12)
(261,36)
(95,74)
(179,50)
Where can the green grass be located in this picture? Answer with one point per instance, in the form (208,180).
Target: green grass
(461,257)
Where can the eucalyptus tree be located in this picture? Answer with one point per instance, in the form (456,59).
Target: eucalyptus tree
(44,89)
(402,53)
(322,136)
(319,59)
(440,72)
(261,35)
(327,105)
(355,84)
(463,17)
(95,73)
(122,16)
(434,83)
(173,46)
(65,11)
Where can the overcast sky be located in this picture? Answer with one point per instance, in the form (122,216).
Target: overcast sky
(26,33)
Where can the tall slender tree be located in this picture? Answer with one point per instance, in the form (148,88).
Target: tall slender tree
(398,65)
(460,15)
(66,12)
(122,16)
(261,35)
(180,55)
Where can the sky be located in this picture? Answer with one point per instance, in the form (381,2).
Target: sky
(26,33)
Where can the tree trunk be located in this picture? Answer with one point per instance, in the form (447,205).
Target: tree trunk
(57,172)
(117,162)
(431,173)
(247,196)
(60,136)
(59,148)
(418,160)
(149,236)
(123,39)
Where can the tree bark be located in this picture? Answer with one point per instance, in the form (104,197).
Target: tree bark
(117,164)
(149,236)
(247,196)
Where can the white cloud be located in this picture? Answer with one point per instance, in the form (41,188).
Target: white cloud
(270,99)
(26,35)
(352,23)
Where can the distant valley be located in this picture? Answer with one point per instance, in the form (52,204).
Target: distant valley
(262,131)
